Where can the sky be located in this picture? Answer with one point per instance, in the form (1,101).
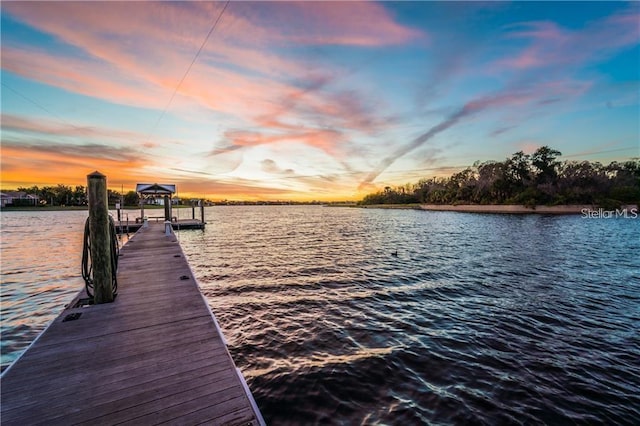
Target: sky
(309,100)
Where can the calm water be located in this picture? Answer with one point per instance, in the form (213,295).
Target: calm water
(478,319)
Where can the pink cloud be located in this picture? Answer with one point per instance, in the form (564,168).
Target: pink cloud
(87,77)
(529,58)
(336,23)
(552,46)
(525,95)
(505,99)
(22,124)
(326,140)
(540,30)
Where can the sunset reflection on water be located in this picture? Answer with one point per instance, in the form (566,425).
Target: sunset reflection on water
(40,272)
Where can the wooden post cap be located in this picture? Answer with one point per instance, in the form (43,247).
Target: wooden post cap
(96,175)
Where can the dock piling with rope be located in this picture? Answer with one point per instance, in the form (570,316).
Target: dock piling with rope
(100,238)
(155,354)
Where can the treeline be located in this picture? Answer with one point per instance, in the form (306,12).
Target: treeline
(536,179)
(63,195)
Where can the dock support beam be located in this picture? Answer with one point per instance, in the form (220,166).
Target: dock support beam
(100,237)
(201,202)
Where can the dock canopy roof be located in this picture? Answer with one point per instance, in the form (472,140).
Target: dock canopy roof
(155,188)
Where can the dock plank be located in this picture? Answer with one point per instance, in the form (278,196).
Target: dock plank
(154,355)
(155,405)
(141,338)
(121,362)
(117,379)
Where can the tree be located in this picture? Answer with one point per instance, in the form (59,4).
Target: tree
(518,170)
(131,198)
(625,179)
(492,186)
(113,196)
(32,190)
(80,196)
(63,195)
(580,182)
(544,159)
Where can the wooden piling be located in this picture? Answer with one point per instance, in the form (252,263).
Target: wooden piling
(202,211)
(167,208)
(100,239)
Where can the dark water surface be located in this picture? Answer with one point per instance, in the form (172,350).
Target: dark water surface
(494,319)
(479,319)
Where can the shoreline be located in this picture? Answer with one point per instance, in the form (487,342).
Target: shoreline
(568,209)
(517,209)
(388,206)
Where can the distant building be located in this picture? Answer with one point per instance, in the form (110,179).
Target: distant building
(18,198)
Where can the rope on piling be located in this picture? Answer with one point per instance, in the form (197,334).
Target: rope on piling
(87,266)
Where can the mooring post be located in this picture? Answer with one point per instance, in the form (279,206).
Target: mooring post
(167,213)
(193,211)
(201,202)
(100,237)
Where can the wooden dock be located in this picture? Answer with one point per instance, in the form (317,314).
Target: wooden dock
(155,355)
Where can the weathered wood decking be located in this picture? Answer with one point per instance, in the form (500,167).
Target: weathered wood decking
(155,355)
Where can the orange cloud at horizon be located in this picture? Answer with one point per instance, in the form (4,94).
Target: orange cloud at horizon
(28,165)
